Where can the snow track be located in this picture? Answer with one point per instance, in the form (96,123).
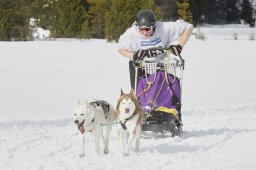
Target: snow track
(213,138)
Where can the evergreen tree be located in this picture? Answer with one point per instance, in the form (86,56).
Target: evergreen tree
(199,9)
(44,13)
(85,4)
(217,12)
(97,12)
(122,15)
(85,30)
(169,9)
(64,19)
(232,11)
(14,21)
(246,13)
(184,12)
(6,13)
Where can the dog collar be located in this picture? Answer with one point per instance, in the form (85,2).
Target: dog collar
(89,125)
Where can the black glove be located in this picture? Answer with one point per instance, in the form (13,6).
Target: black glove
(140,54)
(175,49)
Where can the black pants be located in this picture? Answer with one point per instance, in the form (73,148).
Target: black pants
(132,74)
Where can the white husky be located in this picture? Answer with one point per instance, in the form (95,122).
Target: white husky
(130,116)
(92,117)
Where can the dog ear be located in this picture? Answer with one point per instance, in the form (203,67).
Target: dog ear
(122,93)
(132,92)
(78,102)
(85,102)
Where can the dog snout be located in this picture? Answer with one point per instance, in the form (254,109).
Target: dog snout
(126,110)
(76,121)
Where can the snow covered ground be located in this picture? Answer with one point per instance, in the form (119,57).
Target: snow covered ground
(41,81)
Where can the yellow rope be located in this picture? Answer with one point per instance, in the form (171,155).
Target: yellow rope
(168,64)
(169,59)
(166,78)
(154,102)
(145,90)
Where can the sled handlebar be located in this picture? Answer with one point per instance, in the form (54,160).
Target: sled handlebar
(137,63)
(165,49)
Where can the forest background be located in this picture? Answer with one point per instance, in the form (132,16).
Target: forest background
(108,19)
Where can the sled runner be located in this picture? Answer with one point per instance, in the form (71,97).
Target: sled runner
(159,92)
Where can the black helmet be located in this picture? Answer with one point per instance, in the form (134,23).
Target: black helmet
(145,18)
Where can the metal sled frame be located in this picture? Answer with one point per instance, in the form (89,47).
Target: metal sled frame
(158,121)
(162,122)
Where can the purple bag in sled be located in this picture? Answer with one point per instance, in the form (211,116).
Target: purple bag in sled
(159,92)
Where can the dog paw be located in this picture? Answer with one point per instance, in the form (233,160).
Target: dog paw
(125,154)
(106,151)
(81,155)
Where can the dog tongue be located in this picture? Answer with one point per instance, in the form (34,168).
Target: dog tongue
(82,129)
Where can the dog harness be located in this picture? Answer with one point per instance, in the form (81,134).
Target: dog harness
(105,106)
(90,124)
(123,123)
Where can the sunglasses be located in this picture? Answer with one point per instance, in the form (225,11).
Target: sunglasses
(147,29)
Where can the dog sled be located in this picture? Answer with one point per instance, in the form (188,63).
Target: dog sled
(159,92)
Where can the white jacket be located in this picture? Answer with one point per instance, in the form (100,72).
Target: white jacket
(166,33)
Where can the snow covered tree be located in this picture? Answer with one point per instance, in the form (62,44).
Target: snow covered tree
(44,13)
(184,12)
(122,14)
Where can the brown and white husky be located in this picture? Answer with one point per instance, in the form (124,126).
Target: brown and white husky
(130,116)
